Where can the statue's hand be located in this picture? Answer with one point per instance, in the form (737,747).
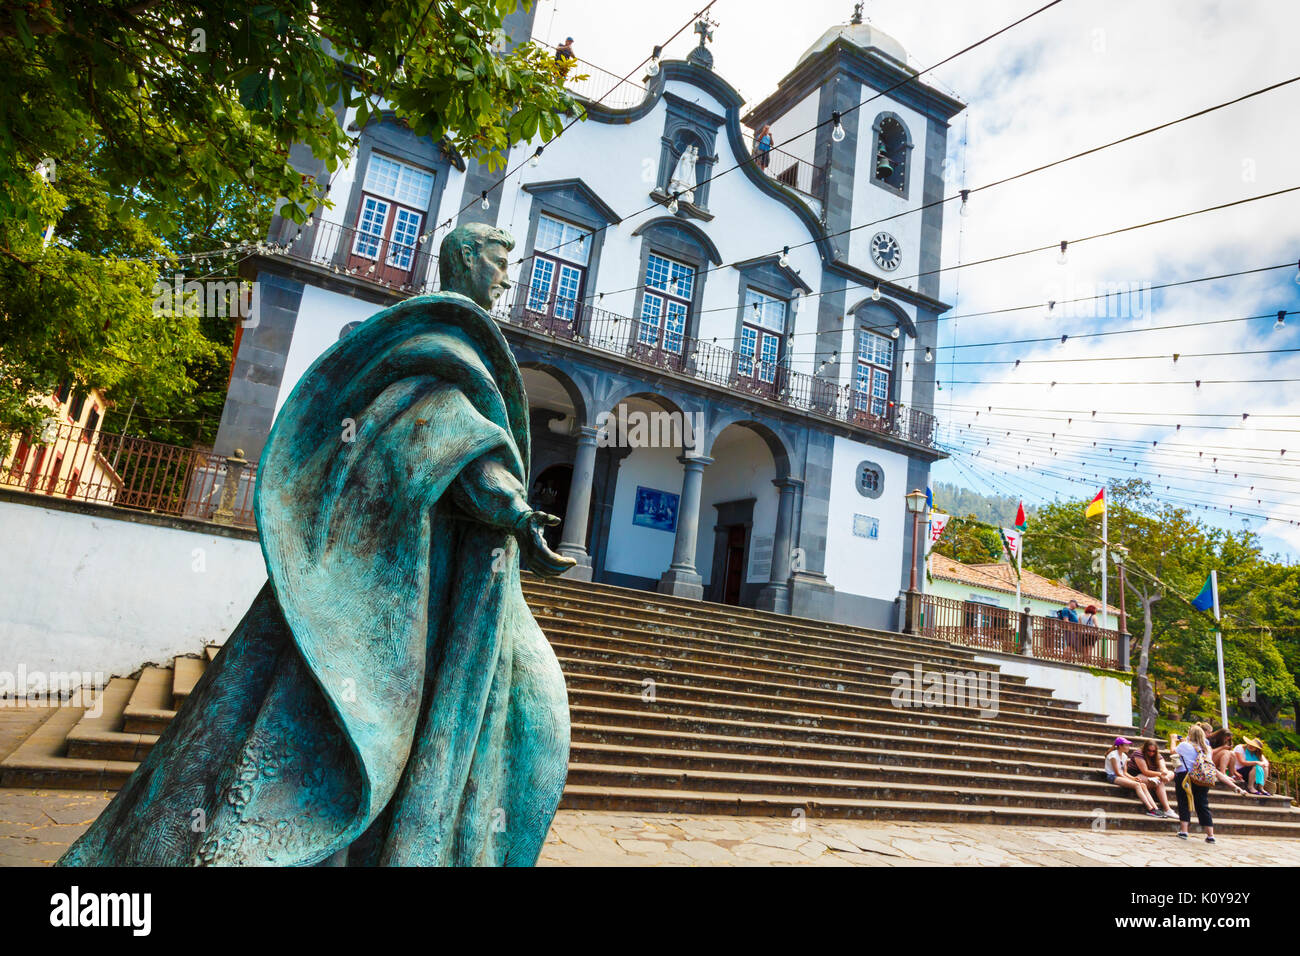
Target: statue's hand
(535,552)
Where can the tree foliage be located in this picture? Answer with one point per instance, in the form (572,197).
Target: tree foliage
(138,133)
(970,541)
(1170,554)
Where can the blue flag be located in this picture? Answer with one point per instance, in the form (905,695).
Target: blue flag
(1205,600)
(929,499)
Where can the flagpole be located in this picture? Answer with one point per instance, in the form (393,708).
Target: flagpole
(1020,554)
(1218,649)
(1105,516)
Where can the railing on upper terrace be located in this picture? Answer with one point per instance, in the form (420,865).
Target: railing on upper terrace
(973,624)
(589,82)
(801,175)
(129,472)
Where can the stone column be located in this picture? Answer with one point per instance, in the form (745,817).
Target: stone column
(681,579)
(573,540)
(775,595)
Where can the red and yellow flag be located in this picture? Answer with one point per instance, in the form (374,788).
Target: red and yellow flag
(1097,506)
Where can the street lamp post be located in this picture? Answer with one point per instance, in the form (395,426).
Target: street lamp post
(916,506)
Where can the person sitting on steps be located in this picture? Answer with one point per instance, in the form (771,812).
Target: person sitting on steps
(1251,765)
(1118,774)
(1147,765)
(1221,744)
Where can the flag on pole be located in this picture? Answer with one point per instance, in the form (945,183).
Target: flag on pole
(1097,506)
(1205,601)
(929,499)
(1020,517)
(1011,539)
(938,521)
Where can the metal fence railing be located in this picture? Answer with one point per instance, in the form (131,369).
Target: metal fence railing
(799,174)
(93,465)
(973,624)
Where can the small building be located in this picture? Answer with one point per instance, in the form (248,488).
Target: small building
(65,458)
(995,585)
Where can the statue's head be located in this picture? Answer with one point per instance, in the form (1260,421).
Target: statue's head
(472,261)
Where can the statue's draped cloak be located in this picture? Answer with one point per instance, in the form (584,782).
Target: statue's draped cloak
(388,691)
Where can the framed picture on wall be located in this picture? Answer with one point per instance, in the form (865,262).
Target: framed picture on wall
(655,509)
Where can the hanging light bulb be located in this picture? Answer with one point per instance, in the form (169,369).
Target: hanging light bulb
(1051,304)
(1064,257)
(875,293)
(485,204)
(929,356)
(652,68)
(672,205)
(837,132)
(784,261)
(895,332)
(535,159)
(1297,273)
(1280,324)
(965,206)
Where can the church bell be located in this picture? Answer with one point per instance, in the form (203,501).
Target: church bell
(884,168)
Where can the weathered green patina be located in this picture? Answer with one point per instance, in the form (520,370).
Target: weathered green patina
(388,698)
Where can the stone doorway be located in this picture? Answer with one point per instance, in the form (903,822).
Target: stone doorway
(550,493)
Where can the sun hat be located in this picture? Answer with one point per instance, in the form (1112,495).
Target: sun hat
(1254,743)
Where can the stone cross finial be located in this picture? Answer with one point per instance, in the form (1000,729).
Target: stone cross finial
(702,28)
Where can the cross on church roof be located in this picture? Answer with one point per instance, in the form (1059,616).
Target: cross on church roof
(702,28)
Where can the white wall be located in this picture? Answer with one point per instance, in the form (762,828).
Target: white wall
(871,203)
(1094,693)
(98,594)
(320,319)
(636,549)
(857,565)
(742,468)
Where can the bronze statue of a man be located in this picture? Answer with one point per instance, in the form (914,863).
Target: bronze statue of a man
(388,698)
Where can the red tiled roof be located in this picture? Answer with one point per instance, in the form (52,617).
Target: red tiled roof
(1002,577)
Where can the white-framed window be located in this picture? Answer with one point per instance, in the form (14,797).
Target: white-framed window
(394,197)
(875,365)
(666,303)
(560,257)
(762,326)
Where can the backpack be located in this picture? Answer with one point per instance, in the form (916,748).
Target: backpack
(1202,771)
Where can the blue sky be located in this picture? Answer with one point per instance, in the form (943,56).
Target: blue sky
(1076,76)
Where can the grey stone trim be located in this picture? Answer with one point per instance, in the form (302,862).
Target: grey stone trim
(839,94)
(685,243)
(683,121)
(729,514)
(907,158)
(918,476)
(859,611)
(259,368)
(936,151)
(830,327)
(864,319)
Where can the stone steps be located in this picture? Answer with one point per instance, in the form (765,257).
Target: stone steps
(752,713)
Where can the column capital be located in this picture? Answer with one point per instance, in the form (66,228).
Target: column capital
(788,482)
(587,434)
(699,461)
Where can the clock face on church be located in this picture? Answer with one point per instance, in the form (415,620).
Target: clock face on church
(886,251)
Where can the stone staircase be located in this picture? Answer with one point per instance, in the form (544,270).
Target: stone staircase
(686,707)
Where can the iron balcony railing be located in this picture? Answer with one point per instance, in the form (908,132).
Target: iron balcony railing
(71,462)
(973,624)
(651,343)
(799,174)
(412,269)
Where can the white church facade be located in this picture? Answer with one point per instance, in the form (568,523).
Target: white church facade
(729,387)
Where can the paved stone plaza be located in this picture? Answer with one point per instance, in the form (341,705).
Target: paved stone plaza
(36,826)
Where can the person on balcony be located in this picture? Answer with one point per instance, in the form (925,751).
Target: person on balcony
(763,146)
(1089,616)
(1070,612)
(564,54)
(1117,773)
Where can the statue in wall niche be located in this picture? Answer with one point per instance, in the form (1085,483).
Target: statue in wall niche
(388,698)
(682,183)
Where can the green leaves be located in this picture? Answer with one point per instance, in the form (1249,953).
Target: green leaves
(153,129)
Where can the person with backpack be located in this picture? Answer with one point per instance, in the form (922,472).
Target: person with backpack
(1193,782)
